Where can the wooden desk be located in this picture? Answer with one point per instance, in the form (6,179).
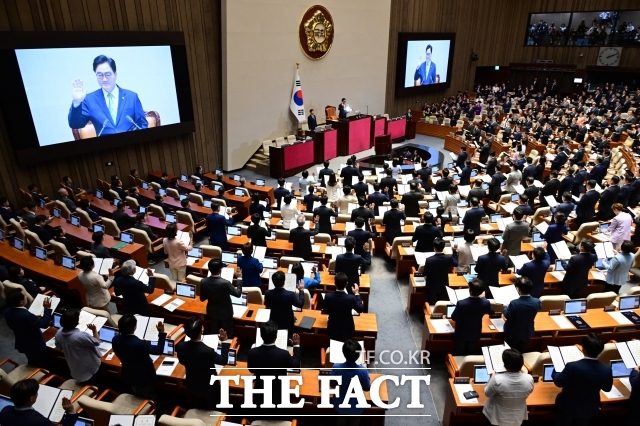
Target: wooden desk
(540,404)
(264,191)
(437,130)
(354,134)
(382,144)
(82,237)
(454,144)
(546,332)
(240,203)
(64,280)
(150,196)
(325,145)
(397,129)
(288,160)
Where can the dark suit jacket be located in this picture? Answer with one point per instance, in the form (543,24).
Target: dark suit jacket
(424,235)
(465,176)
(338,306)
(536,271)
(312,122)
(411,201)
(199,361)
(134,299)
(443,184)
(495,188)
(468,317)
(137,367)
(586,206)
(520,315)
(478,193)
(324,222)
(146,228)
(623,195)
(280,302)
(462,157)
(342,111)
(123,220)
(349,263)
(10,416)
(436,271)
(549,188)
(489,266)
(391,220)
(26,328)
(348,173)
(389,183)
(566,185)
(364,213)
(607,198)
(122,193)
(581,382)
(217,291)
(301,239)
(361,189)
(578,183)
(597,173)
(361,236)
(531,192)
(530,170)
(634,398)
(377,198)
(30,218)
(309,199)
(44,235)
(278,193)
(271,361)
(217,226)
(257,234)
(472,219)
(577,275)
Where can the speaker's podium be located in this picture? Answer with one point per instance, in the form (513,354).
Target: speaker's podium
(383,144)
(354,133)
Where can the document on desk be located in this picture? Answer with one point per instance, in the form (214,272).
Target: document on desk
(519,260)
(613,393)
(519,188)
(442,326)
(421,282)
(409,251)
(498,323)
(263,315)
(239,310)
(562,322)
(174,304)
(561,249)
(599,275)
(620,318)
(336,355)
(167,366)
(629,352)
(493,358)
(152,331)
(504,295)
(461,389)
(562,355)
(161,300)
(145,420)
(37,307)
(281,339)
(625,381)
(559,275)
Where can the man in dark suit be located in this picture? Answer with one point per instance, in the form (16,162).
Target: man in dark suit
(581,382)
(86,206)
(536,270)
(485,149)
(199,361)
(520,315)
(363,212)
(425,174)
(388,183)
(566,185)
(607,198)
(217,226)
(360,187)
(60,236)
(411,201)
(477,191)
(462,157)
(566,206)
(349,172)
(133,352)
(301,238)
(133,291)
(465,174)
(377,198)
(29,216)
(391,220)
(218,292)
(338,305)
(586,208)
(491,264)
(26,327)
(350,263)
(550,188)
(121,192)
(445,182)
(625,191)
(468,317)
(24,394)
(280,301)
(473,217)
(362,236)
(312,122)
(39,229)
(415,178)
(531,191)
(133,193)
(270,360)
(577,270)
(326,171)
(529,170)
(141,225)
(436,270)
(342,109)
(426,234)
(523,204)
(187,209)
(495,186)
(37,196)
(492,164)
(256,233)
(310,199)
(598,171)
(122,219)
(580,179)
(280,192)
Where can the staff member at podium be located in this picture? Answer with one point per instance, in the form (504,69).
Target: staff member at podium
(342,109)
(312,122)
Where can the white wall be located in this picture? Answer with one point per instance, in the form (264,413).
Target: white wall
(259,50)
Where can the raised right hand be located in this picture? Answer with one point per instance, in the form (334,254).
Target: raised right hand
(78,92)
(295,339)
(46,303)
(356,289)
(160,327)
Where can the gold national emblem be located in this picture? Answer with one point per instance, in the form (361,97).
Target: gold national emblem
(316,32)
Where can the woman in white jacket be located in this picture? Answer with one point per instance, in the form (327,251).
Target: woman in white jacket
(288,211)
(334,188)
(95,287)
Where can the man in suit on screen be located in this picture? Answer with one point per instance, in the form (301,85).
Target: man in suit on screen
(111,109)
(426,71)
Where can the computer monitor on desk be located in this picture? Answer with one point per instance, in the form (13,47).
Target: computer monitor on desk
(576,306)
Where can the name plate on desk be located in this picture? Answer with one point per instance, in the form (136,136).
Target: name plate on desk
(495,315)
(436,316)
(461,380)
(609,308)
(406,244)
(554,312)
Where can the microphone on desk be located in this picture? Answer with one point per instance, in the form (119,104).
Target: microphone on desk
(104,124)
(130,120)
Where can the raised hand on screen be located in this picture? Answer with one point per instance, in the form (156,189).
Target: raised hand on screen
(79,92)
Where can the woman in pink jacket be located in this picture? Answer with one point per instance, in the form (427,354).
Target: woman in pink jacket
(620,228)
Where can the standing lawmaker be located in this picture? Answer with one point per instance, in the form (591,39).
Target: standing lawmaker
(426,71)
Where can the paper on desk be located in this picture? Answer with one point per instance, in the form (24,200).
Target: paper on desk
(562,321)
(442,326)
(419,281)
(161,300)
(166,370)
(409,250)
(37,308)
(559,275)
(625,381)
(498,323)
(238,310)
(174,304)
(315,248)
(620,319)
(613,393)
(519,261)
(486,227)
(191,260)
(263,315)
(281,339)
(599,275)
(461,389)
(519,188)
(145,420)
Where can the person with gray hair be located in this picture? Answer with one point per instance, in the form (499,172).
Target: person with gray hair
(132,290)
(64,197)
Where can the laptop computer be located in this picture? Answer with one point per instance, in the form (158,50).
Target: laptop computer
(229,257)
(236,178)
(270,263)
(142,209)
(515,198)
(18,244)
(472,269)
(604,227)
(75,220)
(272,237)
(170,218)
(240,301)
(183,178)
(462,203)
(56,212)
(547,371)
(106,335)
(456,177)
(168,347)
(341,239)
(186,290)
(1,235)
(195,252)
(450,309)
(99,193)
(217,187)
(41,253)
(559,265)
(116,201)
(145,185)
(83,421)
(494,218)
(260,182)
(474,173)
(56,319)
(618,369)
(485,186)
(575,306)
(629,302)
(234,230)
(68,262)
(238,193)
(480,374)
(207,203)
(183,197)
(537,237)
(162,192)
(5,401)
(98,228)
(126,237)
(434,204)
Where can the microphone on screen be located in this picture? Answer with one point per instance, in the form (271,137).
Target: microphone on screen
(132,122)
(104,124)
